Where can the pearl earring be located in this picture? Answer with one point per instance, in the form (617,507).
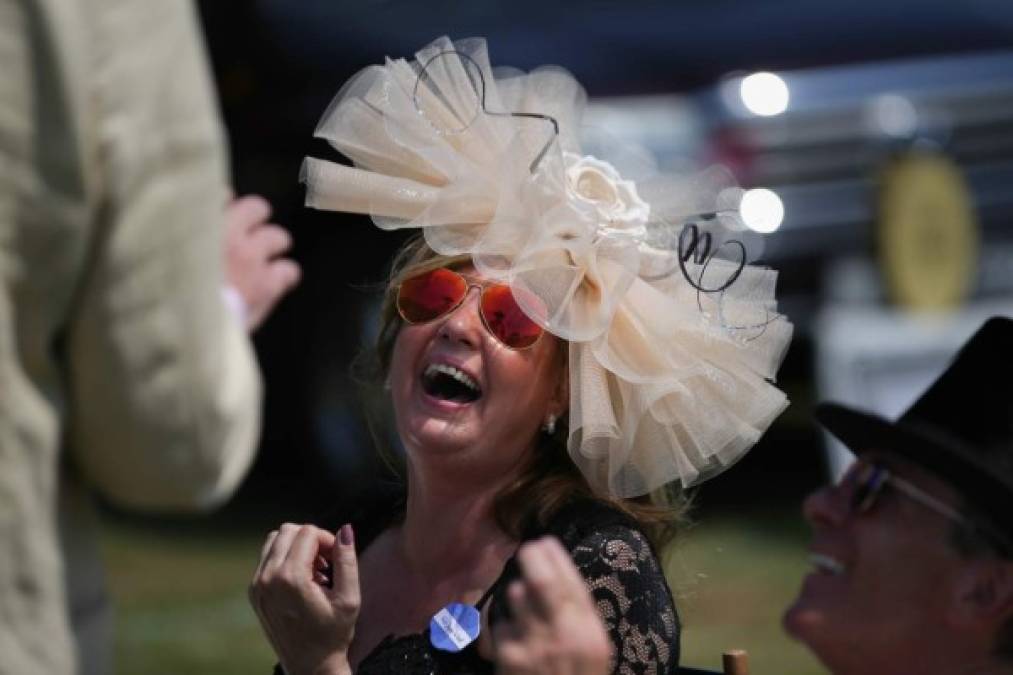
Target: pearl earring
(550,425)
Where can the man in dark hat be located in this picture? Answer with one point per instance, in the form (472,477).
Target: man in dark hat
(912,555)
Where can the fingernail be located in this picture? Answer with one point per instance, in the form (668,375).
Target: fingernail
(346,535)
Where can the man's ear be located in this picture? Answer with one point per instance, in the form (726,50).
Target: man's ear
(983,594)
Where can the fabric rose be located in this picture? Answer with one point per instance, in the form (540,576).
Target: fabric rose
(597,184)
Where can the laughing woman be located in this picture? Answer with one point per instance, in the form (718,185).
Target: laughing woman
(560,345)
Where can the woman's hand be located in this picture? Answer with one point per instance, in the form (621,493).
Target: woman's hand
(556,628)
(309,624)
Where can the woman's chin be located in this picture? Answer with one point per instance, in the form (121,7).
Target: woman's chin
(439,436)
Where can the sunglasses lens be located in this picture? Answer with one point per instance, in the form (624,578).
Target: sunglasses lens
(869,481)
(506,320)
(430,295)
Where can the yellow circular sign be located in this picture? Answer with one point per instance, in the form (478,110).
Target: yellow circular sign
(927,233)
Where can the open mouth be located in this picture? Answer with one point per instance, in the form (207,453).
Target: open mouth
(825,564)
(448,383)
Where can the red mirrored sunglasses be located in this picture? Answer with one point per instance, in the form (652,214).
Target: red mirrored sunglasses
(436,293)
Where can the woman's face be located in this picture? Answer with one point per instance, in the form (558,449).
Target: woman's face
(463,398)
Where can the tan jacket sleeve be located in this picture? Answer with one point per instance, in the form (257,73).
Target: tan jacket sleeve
(164,387)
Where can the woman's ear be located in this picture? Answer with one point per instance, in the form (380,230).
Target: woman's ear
(983,593)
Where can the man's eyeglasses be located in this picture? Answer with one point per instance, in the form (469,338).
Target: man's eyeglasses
(866,480)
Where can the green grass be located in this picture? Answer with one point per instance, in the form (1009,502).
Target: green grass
(181,602)
(732,579)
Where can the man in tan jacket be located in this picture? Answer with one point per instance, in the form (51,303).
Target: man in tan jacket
(121,369)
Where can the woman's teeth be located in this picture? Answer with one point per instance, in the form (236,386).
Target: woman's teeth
(449,382)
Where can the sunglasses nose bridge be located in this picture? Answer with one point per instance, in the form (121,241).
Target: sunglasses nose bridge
(461,302)
(472,286)
(453,318)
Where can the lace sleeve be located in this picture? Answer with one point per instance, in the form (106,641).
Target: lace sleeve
(633,599)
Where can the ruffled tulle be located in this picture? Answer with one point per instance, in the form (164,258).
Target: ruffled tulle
(667,382)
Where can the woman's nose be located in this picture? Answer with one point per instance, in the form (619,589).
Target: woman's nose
(464,325)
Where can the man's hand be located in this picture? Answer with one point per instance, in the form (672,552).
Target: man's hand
(556,628)
(254,265)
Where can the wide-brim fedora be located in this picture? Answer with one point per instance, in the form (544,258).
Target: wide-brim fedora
(960,429)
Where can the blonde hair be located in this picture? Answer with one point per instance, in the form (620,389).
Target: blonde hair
(551,479)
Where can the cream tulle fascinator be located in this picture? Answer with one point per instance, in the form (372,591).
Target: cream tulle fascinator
(672,348)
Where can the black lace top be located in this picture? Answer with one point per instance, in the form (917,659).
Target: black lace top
(620,568)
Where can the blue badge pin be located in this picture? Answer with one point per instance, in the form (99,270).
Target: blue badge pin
(454,627)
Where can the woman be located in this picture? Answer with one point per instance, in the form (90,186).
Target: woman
(554,353)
